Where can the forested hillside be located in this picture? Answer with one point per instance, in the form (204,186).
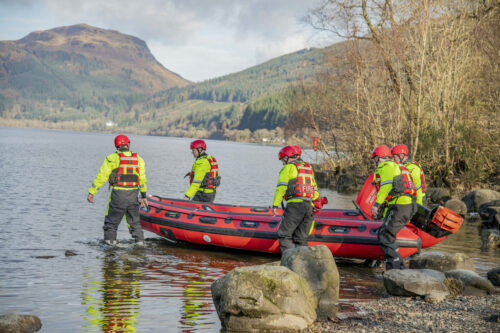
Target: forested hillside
(86,78)
(78,73)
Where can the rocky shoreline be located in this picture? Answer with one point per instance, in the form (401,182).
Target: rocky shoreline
(412,314)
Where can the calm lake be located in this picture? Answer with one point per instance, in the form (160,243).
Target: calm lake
(45,176)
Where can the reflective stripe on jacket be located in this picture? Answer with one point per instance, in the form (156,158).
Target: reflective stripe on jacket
(128,171)
(384,179)
(303,185)
(111,162)
(289,172)
(201,167)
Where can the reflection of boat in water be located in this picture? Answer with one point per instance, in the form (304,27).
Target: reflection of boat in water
(347,233)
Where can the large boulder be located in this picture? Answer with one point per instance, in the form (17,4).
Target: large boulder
(475,199)
(494,276)
(15,323)
(474,284)
(317,266)
(264,297)
(442,261)
(490,239)
(415,282)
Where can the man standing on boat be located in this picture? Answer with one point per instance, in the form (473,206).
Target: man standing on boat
(126,173)
(400,155)
(296,184)
(204,176)
(396,193)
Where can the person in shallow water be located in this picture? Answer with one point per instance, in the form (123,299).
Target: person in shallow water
(296,184)
(126,173)
(396,196)
(204,175)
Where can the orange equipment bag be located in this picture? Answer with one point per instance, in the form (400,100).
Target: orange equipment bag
(447,219)
(367,196)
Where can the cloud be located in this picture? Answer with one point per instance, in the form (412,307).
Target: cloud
(175,22)
(224,33)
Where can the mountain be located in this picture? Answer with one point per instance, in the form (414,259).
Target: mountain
(87,78)
(80,66)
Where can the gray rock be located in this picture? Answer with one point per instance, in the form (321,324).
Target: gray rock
(69,253)
(475,199)
(15,323)
(494,276)
(317,266)
(456,205)
(490,214)
(415,282)
(264,297)
(471,280)
(490,239)
(437,195)
(442,261)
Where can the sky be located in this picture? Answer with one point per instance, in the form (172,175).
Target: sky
(197,39)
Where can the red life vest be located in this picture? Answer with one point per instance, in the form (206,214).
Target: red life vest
(212,178)
(401,184)
(303,186)
(422,177)
(128,171)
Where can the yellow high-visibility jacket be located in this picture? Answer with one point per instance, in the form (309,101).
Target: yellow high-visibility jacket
(387,171)
(111,162)
(201,167)
(287,173)
(416,176)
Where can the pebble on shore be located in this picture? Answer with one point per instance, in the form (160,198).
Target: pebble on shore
(401,314)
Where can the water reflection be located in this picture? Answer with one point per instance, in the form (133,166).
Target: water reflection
(112,303)
(186,273)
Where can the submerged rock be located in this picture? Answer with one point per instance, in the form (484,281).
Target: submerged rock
(490,239)
(15,323)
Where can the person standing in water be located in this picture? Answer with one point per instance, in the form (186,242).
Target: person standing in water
(126,173)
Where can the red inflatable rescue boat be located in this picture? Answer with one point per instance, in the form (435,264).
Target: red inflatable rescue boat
(255,228)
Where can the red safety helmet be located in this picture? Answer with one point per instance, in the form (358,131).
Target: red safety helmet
(121,140)
(198,144)
(381,151)
(298,150)
(288,151)
(399,149)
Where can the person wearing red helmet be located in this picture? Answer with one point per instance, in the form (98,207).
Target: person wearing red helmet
(126,173)
(400,155)
(296,184)
(204,177)
(395,192)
